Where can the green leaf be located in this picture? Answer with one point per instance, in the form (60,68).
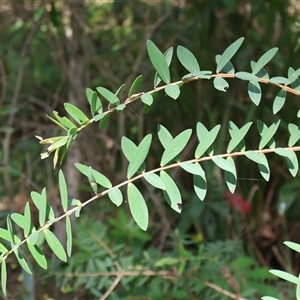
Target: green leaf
(172,90)
(115,196)
(220,84)
(229,53)
(120,107)
(224,164)
(262,162)
(3,248)
(284,275)
(279,101)
(231,177)
(187,59)
(136,84)
(139,155)
(18,219)
(43,208)
(246,76)
(298,288)
(293,246)
(108,95)
(34,237)
(164,135)
(264,60)
(55,245)
(63,190)
(104,121)
(262,73)
(159,62)
(100,116)
(206,138)
(295,134)
(176,146)
(254,92)
(22,261)
(64,121)
(99,178)
(266,133)
(137,206)
(155,180)
(119,90)
(168,55)
(147,99)
(3,276)
(38,201)
(228,68)
(78,115)
(95,105)
(200,185)
(38,255)
(10,237)
(128,148)
(171,193)
(237,135)
(27,220)
(69,236)
(279,80)
(269,298)
(193,168)
(291,159)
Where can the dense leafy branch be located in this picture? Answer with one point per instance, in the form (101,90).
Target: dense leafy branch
(137,154)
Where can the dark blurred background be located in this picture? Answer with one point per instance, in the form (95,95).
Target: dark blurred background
(50,51)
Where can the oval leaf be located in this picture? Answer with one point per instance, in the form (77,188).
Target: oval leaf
(188,60)
(136,84)
(220,84)
(115,196)
(55,245)
(155,180)
(172,90)
(171,193)
(254,92)
(264,60)
(38,255)
(158,61)
(138,207)
(279,101)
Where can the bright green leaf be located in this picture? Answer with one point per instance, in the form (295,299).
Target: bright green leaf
(78,115)
(101,179)
(262,162)
(171,193)
(291,158)
(200,185)
(237,135)
(279,101)
(187,59)
(176,146)
(164,135)
(254,92)
(64,121)
(172,90)
(18,219)
(115,196)
(135,85)
(147,99)
(108,95)
(63,190)
(206,138)
(224,164)
(228,68)
(231,177)
(168,55)
(246,76)
(193,168)
(264,60)
(38,255)
(155,180)
(128,148)
(69,235)
(159,62)
(22,262)
(284,275)
(295,134)
(229,53)
(266,133)
(3,276)
(137,206)
(279,80)
(293,246)
(55,245)
(27,219)
(220,84)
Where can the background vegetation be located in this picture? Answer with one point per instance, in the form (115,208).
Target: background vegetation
(50,51)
